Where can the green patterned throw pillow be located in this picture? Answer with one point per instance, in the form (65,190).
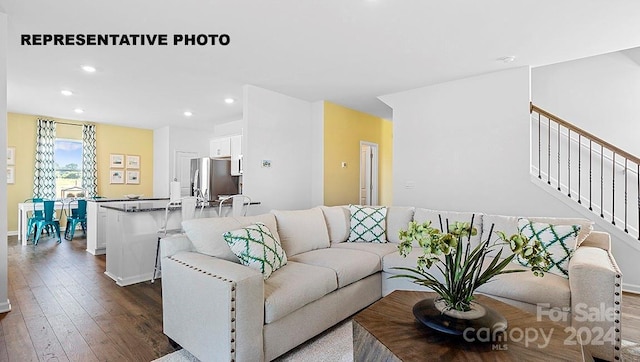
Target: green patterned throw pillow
(368,224)
(257,248)
(558,240)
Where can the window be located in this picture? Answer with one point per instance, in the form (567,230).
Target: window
(68,165)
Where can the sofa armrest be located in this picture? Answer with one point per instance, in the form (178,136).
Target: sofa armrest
(212,307)
(173,244)
(595,282)
(598,239)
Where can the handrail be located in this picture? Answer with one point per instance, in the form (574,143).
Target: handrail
(613,196)
(578,130)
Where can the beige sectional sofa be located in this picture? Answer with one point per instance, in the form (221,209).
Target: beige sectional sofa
(221,310)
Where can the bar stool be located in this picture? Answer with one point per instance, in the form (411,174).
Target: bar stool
(188,206)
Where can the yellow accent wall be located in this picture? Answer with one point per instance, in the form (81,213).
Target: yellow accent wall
(21,134)
(344,128)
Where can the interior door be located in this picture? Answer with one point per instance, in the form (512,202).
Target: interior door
(182,170)
(368,173)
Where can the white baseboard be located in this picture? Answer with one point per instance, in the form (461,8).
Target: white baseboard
(123,282)
(12,233)
(631,288)
(5,307)
(101,251)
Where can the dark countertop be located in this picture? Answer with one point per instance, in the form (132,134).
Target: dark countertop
(128,199)
(155,206)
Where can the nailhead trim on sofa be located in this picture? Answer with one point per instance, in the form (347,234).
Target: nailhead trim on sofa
(233,301)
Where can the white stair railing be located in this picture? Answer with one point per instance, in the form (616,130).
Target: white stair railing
(588,170)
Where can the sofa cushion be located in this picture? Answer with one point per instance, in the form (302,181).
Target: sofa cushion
(368,224)
(379,249)
(301,230)
(206,233)
(422,215)
(506,224)
(337,219)
(256,248)
(294,286)
(348,265)
(557,240)
(528,288)
(398,217)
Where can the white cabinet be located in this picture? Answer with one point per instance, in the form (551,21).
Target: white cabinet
(221,147)
(229,147)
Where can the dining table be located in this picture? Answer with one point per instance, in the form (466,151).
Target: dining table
(27,208)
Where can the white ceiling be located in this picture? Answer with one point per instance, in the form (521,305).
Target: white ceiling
(345,51)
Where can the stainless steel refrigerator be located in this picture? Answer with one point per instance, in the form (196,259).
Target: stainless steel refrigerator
(211,178)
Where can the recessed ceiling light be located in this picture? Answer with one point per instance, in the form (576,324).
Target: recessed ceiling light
(78,110)
(66,92)
(507,59)
(188,114)
(229,100)
(88,68)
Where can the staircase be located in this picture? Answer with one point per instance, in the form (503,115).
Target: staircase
(594,177)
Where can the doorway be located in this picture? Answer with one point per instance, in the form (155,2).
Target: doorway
(368,173)
(182,170)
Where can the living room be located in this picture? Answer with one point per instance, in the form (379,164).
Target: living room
(473,110)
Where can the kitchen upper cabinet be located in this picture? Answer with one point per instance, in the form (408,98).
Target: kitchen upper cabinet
(230,147)
(221,147)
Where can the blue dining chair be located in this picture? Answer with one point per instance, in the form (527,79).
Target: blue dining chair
(36,215)
(76,216)
(48,221)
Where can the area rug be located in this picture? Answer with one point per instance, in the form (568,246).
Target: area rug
(334,345)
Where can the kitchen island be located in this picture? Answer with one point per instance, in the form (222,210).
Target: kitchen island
(131,233)
(97,219)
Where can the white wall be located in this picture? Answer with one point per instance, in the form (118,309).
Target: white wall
(317,153)
(277,128)
(5,305)
(161,169)
(464,145)
(599,94)
(228,128)
(168,140)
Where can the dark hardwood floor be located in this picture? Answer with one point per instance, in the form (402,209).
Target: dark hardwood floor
(65,309)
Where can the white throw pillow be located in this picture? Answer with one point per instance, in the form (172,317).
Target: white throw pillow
(557,240)
(337,218)
(206,233)
(302,230)
(368,224)
(257,248)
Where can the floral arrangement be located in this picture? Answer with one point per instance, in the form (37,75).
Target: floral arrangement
(463,267)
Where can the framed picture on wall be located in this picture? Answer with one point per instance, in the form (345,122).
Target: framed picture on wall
(133,161)
(116,161)
(133,177)
(11,155)
(116,176)
(11,174)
